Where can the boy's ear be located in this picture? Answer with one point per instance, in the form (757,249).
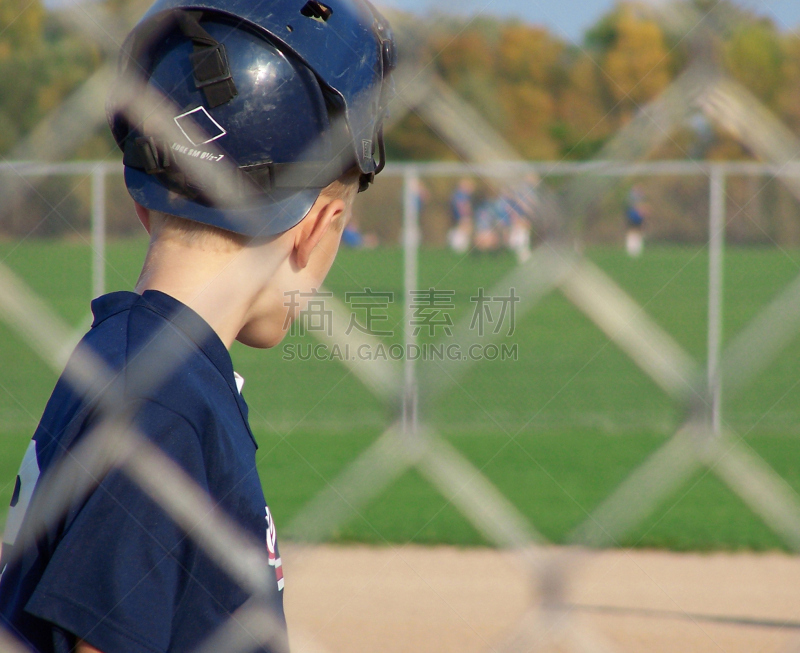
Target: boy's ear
(316,224)
(144,216)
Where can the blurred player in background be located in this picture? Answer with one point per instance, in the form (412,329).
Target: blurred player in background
(353,238)
(637,211)
(422,196)
(459,238)
(491,224)
(523,201)
(507,220)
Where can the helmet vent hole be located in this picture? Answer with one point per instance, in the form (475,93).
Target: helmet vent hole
(290,28)
(317,11)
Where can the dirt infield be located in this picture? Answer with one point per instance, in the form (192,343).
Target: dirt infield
(450,600)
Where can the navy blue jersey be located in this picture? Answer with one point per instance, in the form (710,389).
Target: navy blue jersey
(634,211)
(461,206)
(635,217)
(116,571)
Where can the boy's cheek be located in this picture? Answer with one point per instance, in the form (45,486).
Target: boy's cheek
(268,329)
(252,337)
(264,333)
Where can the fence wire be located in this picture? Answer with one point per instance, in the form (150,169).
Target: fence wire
(410,443)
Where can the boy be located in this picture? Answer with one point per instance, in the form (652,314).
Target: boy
(460,235)
(294,97)
(636,212)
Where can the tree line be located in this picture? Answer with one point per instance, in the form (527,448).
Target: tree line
(549,98)
(552,99)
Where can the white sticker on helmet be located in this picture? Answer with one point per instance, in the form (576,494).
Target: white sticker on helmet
(199,117)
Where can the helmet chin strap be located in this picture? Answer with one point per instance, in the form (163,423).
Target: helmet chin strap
(368,179)
(381,152)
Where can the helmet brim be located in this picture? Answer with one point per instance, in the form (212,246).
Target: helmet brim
(262,218)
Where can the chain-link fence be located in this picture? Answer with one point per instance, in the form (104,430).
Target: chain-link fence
(411,387)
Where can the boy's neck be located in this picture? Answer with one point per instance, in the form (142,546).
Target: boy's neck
(221,287)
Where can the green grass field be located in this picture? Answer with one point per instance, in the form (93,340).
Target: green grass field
(556,430)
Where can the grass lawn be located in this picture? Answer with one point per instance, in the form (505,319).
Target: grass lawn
(556,430)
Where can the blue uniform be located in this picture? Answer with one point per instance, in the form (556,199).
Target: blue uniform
(116,571)
(633,211)
(458,201)
(523,200)
(504,210)
(351,237)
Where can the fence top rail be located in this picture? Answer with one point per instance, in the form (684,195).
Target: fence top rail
(598,168)
(499,169)
(47,169)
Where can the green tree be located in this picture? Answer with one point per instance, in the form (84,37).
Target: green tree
(413,140)
(46,63)
(788,95)
(21,48)
(584,119)
(754,56)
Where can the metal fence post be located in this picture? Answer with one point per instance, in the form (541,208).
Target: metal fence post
(98,231)
(411,241)
(715,291)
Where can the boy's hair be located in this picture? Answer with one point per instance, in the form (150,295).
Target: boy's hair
(198,234)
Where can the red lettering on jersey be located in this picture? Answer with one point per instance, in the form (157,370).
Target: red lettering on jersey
(272,550)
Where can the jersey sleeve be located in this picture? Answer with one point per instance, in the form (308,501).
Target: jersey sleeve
(122,565)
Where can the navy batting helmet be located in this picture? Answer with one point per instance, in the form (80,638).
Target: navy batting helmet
(293,93)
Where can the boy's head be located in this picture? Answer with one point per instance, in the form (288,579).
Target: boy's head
(256,123)
(237,115)
(244,112)
(256,285)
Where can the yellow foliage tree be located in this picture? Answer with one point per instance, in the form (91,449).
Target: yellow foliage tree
(530,113)
(468,55)
(529,65)
(528,54)
(20,27)
(638,65)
